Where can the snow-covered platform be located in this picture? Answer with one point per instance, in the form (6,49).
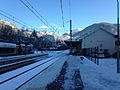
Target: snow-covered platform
(94,77)
(100,77)
(50,74)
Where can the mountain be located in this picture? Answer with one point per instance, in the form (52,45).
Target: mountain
(66,36)
(109,27)
(6,23)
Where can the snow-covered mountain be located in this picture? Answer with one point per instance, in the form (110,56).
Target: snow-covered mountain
(4,22)
(92,28)
(66,36)
(109,27)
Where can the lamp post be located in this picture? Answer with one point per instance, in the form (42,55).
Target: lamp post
(118,44)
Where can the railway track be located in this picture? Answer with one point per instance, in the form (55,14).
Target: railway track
(18,58)
(15,79)
(15,64)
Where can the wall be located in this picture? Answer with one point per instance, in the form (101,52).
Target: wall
(101,39)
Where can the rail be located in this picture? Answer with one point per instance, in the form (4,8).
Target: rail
(25,73)
(19,58)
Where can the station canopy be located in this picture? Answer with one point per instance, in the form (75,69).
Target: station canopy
(74,43)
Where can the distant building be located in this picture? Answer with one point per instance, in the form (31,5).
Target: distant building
(51,38)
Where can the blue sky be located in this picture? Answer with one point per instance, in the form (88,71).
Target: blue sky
(83,12)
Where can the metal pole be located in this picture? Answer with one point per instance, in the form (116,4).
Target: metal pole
(70,36)
(91,53)
(97,55)
(118,62)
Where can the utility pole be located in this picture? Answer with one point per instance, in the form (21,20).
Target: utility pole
(70,36)
(118,40)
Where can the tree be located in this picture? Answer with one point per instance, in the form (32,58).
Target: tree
(34,34)
(7,32)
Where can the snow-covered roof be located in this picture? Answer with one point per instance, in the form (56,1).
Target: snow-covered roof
(7,45)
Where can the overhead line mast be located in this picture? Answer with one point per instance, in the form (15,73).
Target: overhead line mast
(118,39)
(70,27)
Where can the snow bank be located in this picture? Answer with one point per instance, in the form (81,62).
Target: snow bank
(100,77)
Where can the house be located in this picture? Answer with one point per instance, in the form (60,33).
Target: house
(51,38)
(98,35)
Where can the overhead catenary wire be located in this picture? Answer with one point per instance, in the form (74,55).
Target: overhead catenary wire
(39,14)
(34,12)
(7,15)
(61,6)
(11,18)
(70,9)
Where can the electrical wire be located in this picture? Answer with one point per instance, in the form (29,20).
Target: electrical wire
(39,14)
(70,9)
(61,6)
(15,18)
(10,18)
(36,14)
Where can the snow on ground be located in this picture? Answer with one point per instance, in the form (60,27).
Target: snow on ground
(100,77)
(110,64)
(51,53)
(18,71)
(19,56)
(73,64)
(16,82)
(46,77)
(94,77)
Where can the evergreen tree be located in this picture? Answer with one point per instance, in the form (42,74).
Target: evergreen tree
(34,34)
